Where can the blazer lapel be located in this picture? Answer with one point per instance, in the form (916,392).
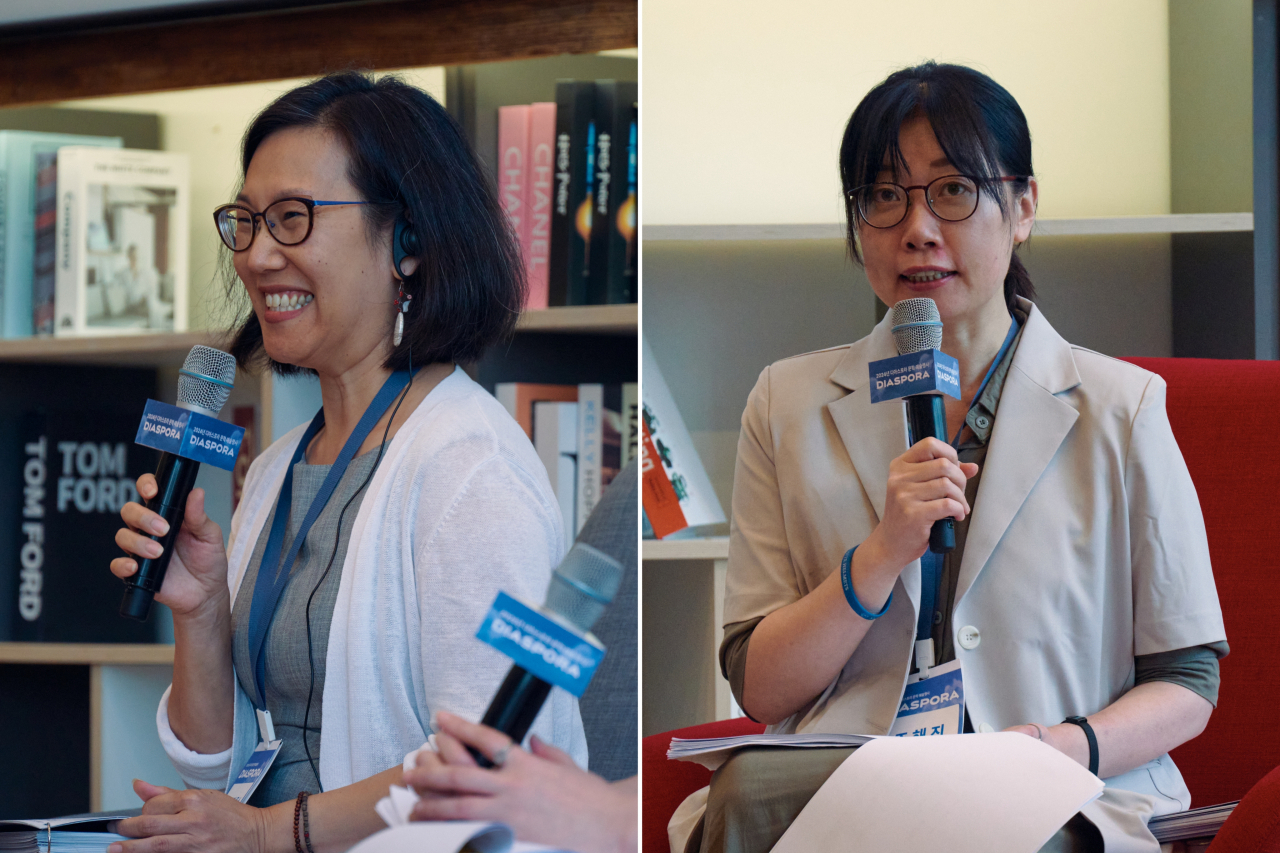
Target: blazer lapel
(872,434)
(1031,424)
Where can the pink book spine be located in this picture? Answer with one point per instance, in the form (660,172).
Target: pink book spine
(542,140)
(513,171)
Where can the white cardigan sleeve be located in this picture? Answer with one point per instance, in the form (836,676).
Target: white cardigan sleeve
(500,533)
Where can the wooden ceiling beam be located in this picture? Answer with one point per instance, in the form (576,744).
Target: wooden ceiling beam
(275,45)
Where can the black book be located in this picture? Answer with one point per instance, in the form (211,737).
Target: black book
(68,463)
(572,199)
(613,227)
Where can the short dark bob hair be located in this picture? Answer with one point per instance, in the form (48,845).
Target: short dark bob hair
(979,126)
(409,156)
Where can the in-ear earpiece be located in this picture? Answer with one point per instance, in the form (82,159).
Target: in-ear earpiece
(404,244)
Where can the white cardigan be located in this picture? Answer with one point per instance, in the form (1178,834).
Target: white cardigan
(460,508)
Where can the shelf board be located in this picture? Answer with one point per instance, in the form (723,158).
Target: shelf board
(135,350)
(1175,223)
(169,349)
(705,548)
(120,654)
(582,319)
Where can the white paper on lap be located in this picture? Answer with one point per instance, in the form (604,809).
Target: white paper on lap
(978,793)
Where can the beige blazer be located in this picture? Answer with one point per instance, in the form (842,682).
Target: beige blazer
(1086,546)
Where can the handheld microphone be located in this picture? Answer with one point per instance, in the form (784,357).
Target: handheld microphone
(204,383)
(581,587)
(917,326)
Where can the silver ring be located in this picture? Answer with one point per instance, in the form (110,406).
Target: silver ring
(500,757)
(1038,737)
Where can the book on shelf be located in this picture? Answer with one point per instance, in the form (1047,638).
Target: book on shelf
(122,241)
(572,197)
(555,438)
(518,398)
(513,172)
(542,145)
(676,490)
(612,275)
(68,463)
(21,155)
(630,421)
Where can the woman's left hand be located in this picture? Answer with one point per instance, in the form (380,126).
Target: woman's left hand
(193,820)
(1060,737)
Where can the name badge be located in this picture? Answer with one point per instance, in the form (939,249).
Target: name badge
(255,769)
(540,645)
(934,705)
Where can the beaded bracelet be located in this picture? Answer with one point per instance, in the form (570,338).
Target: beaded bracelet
(297,819)
(306,826)
(846,581)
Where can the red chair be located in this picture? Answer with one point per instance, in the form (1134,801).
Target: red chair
(1226,416)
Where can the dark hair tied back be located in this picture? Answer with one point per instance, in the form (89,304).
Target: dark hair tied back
(978,124)
(409,157)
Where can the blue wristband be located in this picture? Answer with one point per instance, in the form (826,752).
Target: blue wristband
(846,580)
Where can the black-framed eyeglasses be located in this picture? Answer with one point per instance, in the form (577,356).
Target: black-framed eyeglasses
(952,198)
(289,221)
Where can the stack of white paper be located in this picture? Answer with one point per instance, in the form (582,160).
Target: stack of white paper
(986,793)
(1197,823)
(711,752)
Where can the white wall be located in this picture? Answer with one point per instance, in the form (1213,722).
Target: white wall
(745,100)
(207,124)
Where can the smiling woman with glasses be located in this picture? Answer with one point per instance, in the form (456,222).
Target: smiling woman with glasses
(364,246)
(1077,606)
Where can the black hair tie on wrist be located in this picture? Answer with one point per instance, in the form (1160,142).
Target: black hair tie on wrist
(1091,737)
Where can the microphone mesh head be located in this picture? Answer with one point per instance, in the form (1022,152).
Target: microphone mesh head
(917,325)
(206,378)
(583,585)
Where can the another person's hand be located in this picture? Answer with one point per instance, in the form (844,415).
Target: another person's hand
(197,573)
(542,795)
(193,821)
(926,483)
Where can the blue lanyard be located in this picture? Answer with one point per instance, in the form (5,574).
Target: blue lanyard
(931,563)
(274,574)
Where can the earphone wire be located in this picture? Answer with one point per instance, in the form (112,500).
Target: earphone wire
(311,663)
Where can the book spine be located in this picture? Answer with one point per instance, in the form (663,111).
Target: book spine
(590,436)
(66,254)
(556,441)
(622,276)
(513,173)
(46,234)
(630,421)
(571,204)
(27,616)
(542,142)
(601,189)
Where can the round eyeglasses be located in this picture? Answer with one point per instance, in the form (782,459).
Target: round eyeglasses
(289,221)
(952,198)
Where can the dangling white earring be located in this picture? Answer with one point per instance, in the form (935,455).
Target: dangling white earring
(402,307)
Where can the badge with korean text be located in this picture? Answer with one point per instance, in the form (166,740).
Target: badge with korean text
(934,705)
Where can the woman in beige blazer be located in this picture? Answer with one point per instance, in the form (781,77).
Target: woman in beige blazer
(1087,557)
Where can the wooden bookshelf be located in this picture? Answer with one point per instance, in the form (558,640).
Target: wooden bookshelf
(87,654)
(57,64)
(583,319)
(169,349)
